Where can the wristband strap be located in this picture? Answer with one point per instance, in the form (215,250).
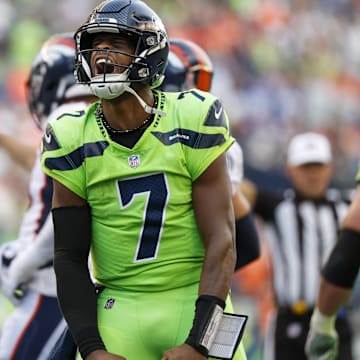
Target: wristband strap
(208,313)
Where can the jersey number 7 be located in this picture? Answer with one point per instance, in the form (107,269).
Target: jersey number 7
(156,189)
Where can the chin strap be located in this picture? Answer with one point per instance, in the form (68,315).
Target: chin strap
(146,107)
(116,88)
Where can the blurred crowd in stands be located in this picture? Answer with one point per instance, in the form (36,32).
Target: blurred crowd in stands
(281,67)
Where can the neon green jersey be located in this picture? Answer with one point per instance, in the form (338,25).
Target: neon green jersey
(143,224)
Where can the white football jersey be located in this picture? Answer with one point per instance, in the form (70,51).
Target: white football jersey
(235,164)
(36,235)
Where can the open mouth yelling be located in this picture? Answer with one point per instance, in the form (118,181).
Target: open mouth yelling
(104,66)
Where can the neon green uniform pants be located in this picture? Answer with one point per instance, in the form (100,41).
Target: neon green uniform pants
(144,325)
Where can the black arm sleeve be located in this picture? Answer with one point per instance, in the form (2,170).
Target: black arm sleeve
(247,241)
(75,289)
(266,203)
(342,267)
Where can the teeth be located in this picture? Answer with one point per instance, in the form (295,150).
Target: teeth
(104,65)
(102,61)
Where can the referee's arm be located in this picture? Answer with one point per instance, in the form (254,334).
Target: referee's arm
(337,280)
(342,266)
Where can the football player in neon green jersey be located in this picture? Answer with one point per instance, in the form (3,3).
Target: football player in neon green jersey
(140,178)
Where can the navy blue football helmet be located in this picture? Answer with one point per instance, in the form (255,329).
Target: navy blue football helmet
(188,67)
(131,18)
(51,80)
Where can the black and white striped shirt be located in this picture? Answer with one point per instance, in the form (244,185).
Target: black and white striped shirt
(300,234)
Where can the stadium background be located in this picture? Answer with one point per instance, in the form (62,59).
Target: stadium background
(281,66)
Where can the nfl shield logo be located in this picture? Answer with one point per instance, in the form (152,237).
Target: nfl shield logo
(134,161)
(109,304)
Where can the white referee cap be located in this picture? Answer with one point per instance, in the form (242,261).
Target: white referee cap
(309,148)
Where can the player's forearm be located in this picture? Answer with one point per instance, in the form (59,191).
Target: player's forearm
(38,253)
(241,204)
(331,298)
(218,267)
(249,191)
(342,266)
(78,303)
(43,245)
(217,280)
(214,288)
(75,290)
(351,220)
(215,219)
(22,153)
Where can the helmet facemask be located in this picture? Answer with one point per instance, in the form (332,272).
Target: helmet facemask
(108,69)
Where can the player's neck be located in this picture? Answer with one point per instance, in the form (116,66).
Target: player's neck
(125,113)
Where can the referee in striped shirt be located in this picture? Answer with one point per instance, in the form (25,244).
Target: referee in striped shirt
(301,228)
